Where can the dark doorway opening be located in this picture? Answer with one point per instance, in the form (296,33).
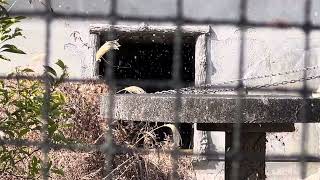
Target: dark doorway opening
(150,59)
(149,56)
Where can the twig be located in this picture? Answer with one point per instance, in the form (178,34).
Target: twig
(99,138)
(146,167)
(28,155)
(22,159)
(140,170)
(89,176)
(118,167)
(144,134)
(127,168)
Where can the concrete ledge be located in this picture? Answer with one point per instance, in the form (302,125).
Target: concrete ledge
(187,30)
(212,108)
(252,127)
(148,33)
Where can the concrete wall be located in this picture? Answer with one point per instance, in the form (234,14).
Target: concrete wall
(74,52)
(271,51)
(267,50)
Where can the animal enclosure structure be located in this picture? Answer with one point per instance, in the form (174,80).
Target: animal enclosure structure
(172,59)
(209,106)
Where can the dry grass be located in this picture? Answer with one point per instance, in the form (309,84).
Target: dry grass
(88,126)
(83,103)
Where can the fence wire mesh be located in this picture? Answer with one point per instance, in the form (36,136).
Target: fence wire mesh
(109,148)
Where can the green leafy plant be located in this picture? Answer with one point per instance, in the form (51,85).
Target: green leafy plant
(8,32)
(21,110)
(21,105)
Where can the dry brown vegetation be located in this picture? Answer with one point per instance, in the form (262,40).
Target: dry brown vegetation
(89,126)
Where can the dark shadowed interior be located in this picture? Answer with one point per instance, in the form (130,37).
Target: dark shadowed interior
(150,60)
(150,57)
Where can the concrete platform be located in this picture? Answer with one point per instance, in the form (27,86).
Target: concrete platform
(213,108)
(261,114)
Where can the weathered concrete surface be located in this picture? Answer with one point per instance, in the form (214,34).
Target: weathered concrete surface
(77,56)
(212,109)
(266,51)
(271,51)
(287,144)
(204,142)
(248,127)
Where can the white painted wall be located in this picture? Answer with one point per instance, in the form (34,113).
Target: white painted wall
(271,51)
(64,47)
(268,50)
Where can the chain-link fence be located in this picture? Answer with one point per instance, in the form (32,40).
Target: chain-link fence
(176,82)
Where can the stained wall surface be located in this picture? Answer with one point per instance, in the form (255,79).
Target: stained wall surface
(267,50)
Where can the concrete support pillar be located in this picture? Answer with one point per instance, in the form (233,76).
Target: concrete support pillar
(206,141)
(248,167)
